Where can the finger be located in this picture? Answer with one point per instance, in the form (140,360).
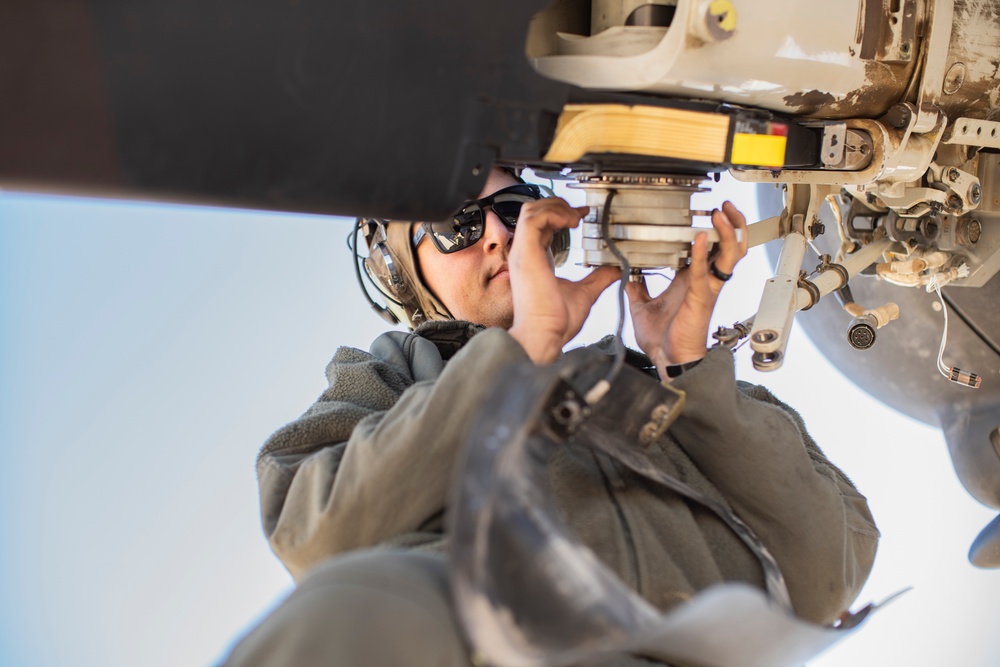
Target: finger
(599,280)
(729,247)
(697,271)
(579,297)
(539,221)
(738,221)
(558,210)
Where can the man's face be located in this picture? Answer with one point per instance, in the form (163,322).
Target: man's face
(474,283)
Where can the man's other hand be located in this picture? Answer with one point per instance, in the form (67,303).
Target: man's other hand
(672,328)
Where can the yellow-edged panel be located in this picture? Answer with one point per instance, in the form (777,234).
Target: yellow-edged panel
(639,130)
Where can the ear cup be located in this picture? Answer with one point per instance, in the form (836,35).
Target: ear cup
(381,267)
(385,272)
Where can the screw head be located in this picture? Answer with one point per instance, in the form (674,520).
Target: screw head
(975,193)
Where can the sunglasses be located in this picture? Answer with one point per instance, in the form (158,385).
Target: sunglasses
(466,225)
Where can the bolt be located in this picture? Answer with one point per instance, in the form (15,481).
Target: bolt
(567,412)
(904,48)
(955,203)
(953,174)
(975,193)
(767,336)
(899,116)
(817,228)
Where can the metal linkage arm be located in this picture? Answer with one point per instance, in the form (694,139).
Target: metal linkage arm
(778,304)
(784,295)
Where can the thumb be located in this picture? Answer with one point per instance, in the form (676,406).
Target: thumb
(598,280)
(638,292)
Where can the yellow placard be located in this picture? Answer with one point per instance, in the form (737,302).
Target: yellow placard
(759,150)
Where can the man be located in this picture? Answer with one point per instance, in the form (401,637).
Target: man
(354,492)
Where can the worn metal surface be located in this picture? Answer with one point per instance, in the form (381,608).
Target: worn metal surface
(970,86)
(900,369)
(791,56)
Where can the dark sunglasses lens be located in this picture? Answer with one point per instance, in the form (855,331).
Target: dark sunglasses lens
(464,229)
(508,211)
(507,202)
(466,226)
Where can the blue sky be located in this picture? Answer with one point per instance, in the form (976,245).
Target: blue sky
(146,351)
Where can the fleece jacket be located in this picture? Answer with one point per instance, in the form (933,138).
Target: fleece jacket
(370,464)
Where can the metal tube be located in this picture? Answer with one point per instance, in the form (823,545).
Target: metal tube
(828,281)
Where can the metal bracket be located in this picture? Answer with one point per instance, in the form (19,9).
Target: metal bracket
(973,132)
(834,142)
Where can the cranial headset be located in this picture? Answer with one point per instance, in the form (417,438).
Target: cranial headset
(391,275)
(384,271)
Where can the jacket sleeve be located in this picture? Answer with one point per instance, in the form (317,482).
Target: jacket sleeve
(756,450)
(372,459)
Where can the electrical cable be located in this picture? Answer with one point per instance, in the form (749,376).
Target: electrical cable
(601,388)
(952,373)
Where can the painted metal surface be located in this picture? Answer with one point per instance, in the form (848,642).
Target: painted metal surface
(801,58)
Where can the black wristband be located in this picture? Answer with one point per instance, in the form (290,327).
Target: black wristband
(675,370)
